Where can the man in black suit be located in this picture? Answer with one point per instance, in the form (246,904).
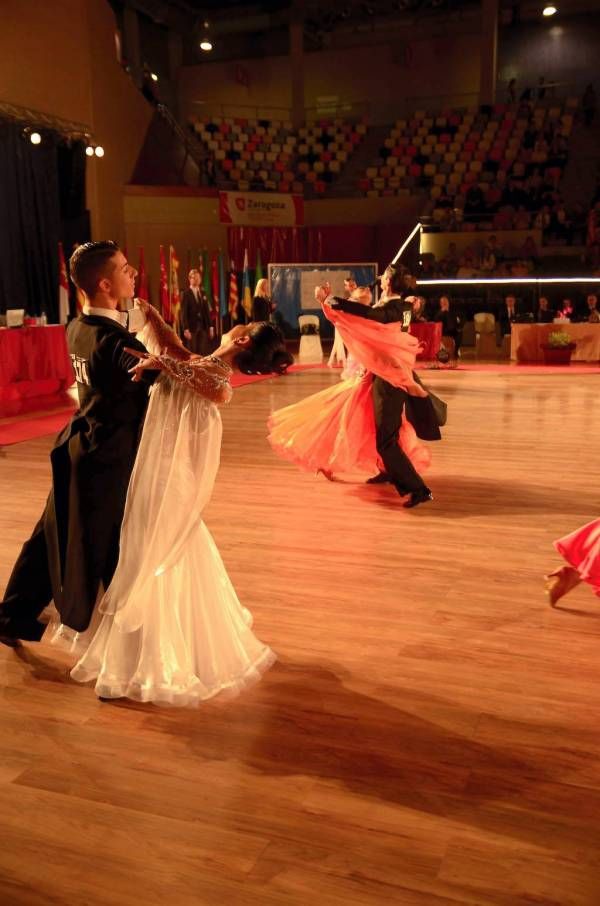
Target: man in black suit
(74,548)
(195,316)
(544,314)
(390,402)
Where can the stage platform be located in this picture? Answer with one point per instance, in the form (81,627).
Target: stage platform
(429,734)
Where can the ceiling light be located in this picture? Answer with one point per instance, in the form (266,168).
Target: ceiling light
(205,45)
(99,151)
(549,10)
(89,151)
(154,77)
(35,138)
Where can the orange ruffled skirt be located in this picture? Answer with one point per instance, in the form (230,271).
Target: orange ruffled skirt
(581,550)
(334,430)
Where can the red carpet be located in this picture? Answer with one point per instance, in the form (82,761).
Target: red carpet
(42,423)
(30,428)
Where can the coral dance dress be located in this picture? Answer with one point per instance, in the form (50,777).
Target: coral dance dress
(334,430)
(581,550)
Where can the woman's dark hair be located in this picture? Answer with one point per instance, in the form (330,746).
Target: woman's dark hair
(88,264)
(267,354)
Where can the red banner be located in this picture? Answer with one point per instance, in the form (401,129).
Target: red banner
(261,209)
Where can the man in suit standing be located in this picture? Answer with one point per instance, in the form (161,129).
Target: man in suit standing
(389,402)
(74,548)
(195,316)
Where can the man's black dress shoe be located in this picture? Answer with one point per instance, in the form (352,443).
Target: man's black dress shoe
(418,497)
(381,478)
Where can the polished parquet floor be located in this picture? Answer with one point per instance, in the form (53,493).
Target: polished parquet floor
(431,732)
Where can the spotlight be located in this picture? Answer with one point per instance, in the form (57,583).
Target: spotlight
(205,45)
(89,151)
(154,77)
(549,10)
(99,151)
(35,138)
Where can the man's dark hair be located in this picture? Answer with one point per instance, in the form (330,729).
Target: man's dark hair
(87,264)
(400,278)
(267,354)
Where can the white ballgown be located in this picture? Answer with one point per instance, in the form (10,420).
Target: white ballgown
(170,628)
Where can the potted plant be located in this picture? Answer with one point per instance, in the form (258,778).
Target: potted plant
(558,349)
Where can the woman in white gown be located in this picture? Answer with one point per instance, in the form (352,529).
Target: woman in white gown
(170,628)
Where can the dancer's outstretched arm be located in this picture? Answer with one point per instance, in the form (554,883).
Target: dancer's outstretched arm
(166,337)
(395,310)
(207,377)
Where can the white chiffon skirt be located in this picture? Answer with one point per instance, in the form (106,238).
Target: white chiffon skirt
(170,628)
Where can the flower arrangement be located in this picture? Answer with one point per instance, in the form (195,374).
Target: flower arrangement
(558,339)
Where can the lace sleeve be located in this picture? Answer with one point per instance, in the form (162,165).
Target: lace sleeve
(166,336)
(208,377)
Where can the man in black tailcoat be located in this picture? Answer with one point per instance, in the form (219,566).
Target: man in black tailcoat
(74,548)
(389,402)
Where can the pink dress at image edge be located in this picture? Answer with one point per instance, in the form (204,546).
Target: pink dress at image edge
(335,428)
(581,550)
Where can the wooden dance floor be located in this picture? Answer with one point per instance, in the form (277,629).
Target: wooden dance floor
(431,732)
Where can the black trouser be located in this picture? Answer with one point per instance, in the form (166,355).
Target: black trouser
(29,589)
(388,404)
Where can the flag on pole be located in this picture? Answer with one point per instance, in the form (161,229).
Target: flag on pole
(63,287)
(258,274)
(165,307)
(174,296)
(216,294)
(246,292)
(222,286)
(234,297)
(207,284)
(142,278)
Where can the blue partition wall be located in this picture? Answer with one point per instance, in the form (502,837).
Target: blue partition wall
(293,285)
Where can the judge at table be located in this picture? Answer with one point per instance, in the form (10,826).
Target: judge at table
(544,314)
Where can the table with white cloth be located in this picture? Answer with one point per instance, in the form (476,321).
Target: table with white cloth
(526,341)
(34,361)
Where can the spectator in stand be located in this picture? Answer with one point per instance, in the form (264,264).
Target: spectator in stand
(588,104)
(544,314)
(488,258)
(593,235)
(593,315)
(529,251)
(522,219)
(418,308)
(451,323)
(512,91)
(474,202)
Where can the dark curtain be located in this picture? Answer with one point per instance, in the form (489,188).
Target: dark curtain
(29,225)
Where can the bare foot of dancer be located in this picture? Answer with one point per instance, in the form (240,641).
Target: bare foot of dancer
(560,582)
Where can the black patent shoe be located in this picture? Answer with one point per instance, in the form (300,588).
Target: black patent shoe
(381,478)
(418,497)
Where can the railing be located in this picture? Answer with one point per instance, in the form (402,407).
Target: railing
(204,109)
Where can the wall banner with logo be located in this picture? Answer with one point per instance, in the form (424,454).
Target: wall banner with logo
(261,209)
